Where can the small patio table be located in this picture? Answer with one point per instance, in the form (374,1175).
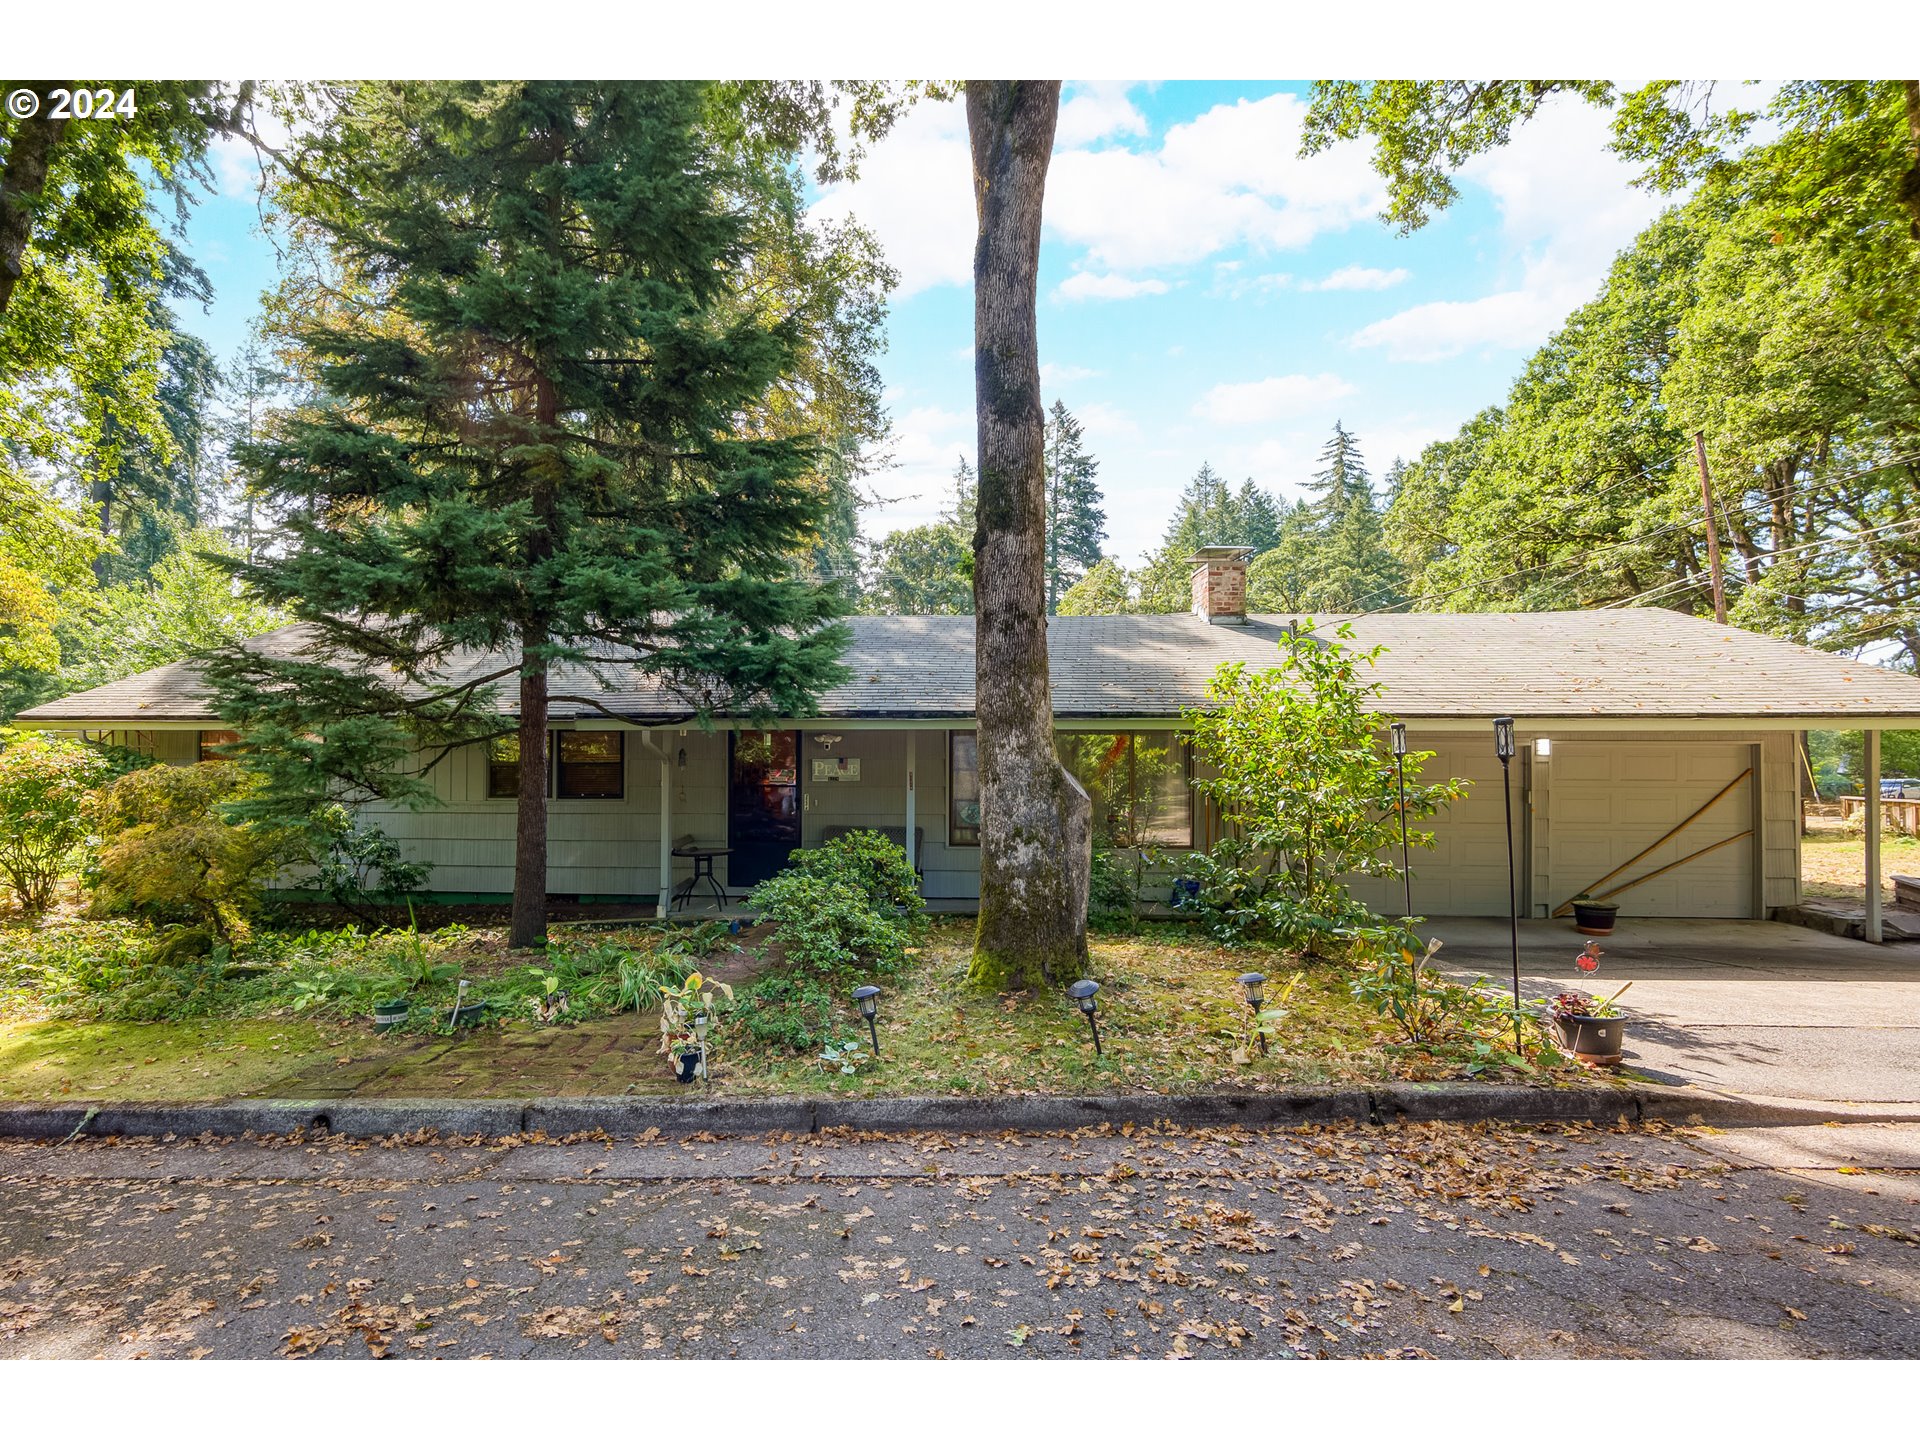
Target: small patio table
(703,857)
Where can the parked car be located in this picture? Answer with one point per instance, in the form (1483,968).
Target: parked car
(1899,788)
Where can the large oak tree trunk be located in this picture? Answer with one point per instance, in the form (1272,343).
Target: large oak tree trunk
(1035,820)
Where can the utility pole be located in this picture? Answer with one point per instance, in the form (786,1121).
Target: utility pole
(1713,532)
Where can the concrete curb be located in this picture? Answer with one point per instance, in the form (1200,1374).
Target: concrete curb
(623,1116)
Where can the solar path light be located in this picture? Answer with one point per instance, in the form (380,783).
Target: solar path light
(1083,992)
(867,997)
(1256,987)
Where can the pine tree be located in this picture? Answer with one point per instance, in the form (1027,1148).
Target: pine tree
(1344,565)
(537,446)
(1209,512)
(966,491)
(1076,521)
(1344,478)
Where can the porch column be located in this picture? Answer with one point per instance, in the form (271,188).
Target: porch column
(913,857)
(1873,835)
(666,837)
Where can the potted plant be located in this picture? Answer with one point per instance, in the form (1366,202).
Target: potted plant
(387,1014)
(1593,917)
(686,1018)
(1590,1026)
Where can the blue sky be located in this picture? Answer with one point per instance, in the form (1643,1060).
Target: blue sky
(1205,294)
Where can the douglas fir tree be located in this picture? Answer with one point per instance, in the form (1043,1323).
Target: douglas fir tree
(533,440)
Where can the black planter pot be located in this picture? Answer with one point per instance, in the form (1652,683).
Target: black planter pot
(1594,917)
(1593,1038)
(389,1013)
(689,1067)
(472,1015)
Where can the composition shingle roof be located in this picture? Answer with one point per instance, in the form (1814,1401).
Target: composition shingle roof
(1645,664)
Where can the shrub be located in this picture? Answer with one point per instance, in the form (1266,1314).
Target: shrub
(356,864)
(44,785)
(168,851)
(1305,782)
(1429,1010)
(1113,890)
(844,910)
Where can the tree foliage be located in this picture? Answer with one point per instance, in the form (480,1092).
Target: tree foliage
(1304,782)
(44,785)
(1076,520)
(552,426)
(170,848)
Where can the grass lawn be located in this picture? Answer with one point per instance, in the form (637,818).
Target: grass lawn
(1171,1015)
(1833,860)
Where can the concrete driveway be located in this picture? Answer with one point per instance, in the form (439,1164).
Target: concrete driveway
(1740,1005)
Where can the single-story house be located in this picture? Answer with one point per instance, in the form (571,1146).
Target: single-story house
(1655,750)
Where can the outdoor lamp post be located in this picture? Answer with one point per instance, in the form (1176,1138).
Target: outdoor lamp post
(1083,992)
(700,1022)
(867,997)
(1503,747)
(1256,985)
(1399,730)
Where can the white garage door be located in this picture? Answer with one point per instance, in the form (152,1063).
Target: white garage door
(1466,871)
(1606,802)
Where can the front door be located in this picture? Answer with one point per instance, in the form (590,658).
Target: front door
(763,803)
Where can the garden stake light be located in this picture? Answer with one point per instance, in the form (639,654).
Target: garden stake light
(1256,985)
(700,1022)
(1503,747)
(459,1000)
(867,997)
(1399,729)
(1083,992)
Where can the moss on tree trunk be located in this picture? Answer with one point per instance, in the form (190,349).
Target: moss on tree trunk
(1035,820)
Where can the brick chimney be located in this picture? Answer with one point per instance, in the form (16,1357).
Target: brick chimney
(1220,583)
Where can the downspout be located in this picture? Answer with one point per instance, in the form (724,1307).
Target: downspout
(666,824)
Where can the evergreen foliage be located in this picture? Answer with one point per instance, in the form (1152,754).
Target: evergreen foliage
(556,434)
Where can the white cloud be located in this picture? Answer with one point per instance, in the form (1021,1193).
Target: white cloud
(915,192)
(1231,176)
(1255,401)
(1567,207)
(1105,423)
(923,446)
(1088,286)
(1360,277)
(1051,374)
(1097,111)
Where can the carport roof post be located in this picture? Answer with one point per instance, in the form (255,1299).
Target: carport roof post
(1872,748)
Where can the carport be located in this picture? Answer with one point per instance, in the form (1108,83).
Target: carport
(1749,1007)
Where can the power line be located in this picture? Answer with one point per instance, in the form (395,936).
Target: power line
(1860,538)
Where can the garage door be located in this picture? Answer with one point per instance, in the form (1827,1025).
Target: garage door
(1466,872)
(1606,802)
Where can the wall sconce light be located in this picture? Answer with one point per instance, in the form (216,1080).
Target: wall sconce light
(1543,749)
(867,997)
(681,761)
(827,742)
(1083,992)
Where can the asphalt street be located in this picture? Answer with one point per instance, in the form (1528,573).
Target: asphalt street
(1408,1240)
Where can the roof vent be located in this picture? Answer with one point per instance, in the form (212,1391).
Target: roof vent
(1220,583)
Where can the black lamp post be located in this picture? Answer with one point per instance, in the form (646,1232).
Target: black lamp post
(1083,992)
(1256,985)
(867,997)
(1399,729)
(1503,747)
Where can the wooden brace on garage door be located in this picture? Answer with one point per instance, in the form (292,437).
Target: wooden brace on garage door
(1593,892)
